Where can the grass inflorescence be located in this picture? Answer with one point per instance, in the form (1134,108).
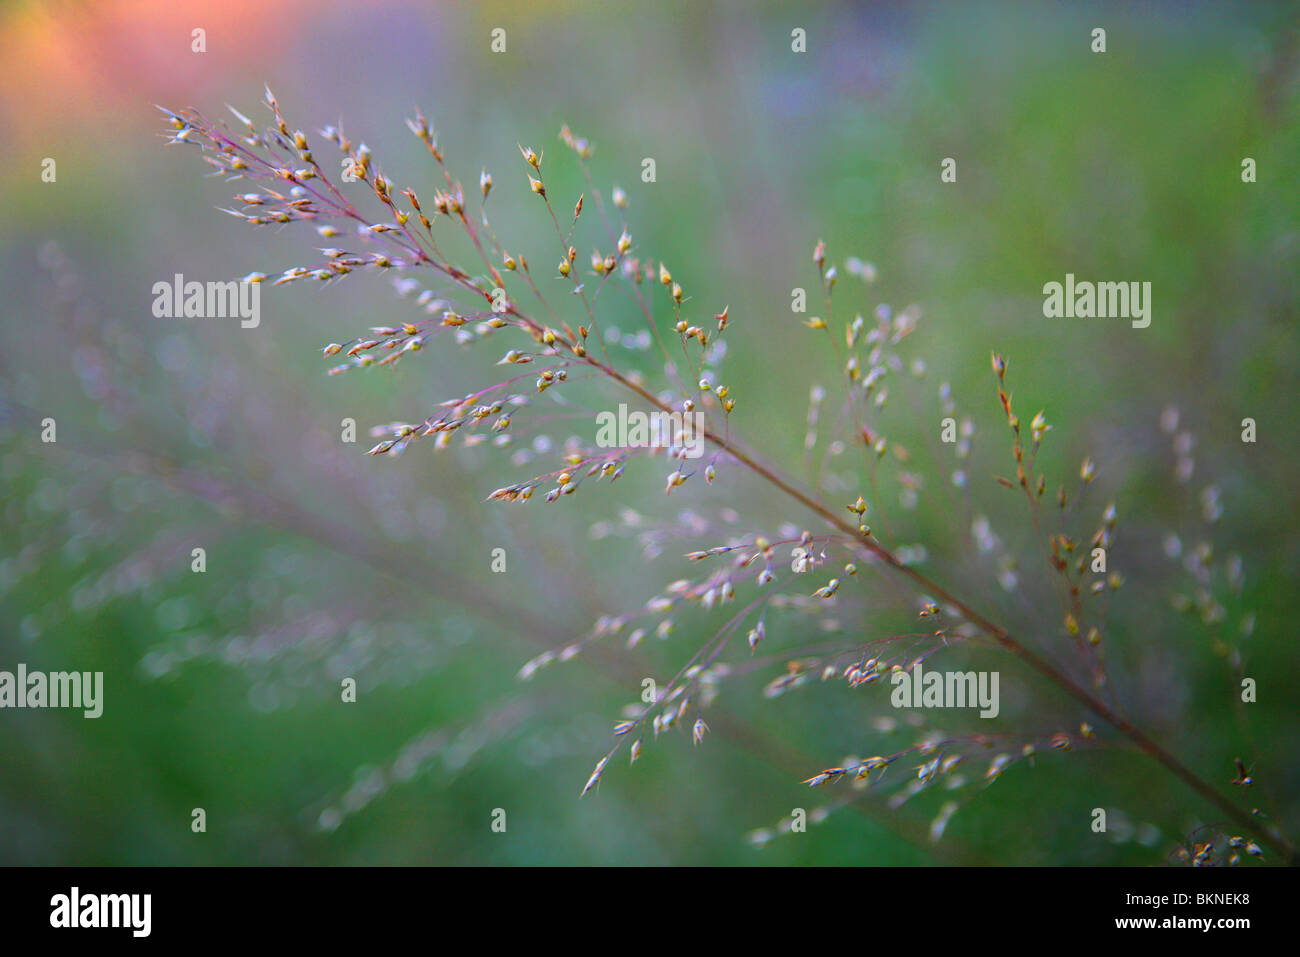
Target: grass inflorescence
(833,591)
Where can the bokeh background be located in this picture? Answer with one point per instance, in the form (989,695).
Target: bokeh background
(222,688)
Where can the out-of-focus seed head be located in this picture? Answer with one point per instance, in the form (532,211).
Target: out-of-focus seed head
(699,730)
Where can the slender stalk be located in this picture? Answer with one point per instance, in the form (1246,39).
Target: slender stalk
(411,246)
(999,634)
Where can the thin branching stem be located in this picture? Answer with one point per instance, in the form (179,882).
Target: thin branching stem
(999,634)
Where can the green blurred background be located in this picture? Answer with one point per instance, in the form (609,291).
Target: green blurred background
(222,687)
